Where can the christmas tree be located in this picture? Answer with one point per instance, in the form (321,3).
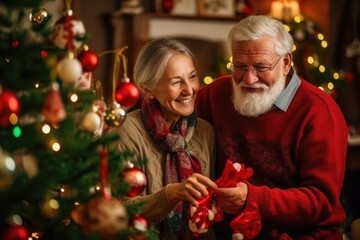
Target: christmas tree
(59,175)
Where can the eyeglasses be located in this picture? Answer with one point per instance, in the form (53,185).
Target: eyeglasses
(255,70)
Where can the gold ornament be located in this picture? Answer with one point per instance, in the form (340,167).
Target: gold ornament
(38,16)
(115,115)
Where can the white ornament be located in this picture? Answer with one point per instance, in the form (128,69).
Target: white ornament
(69,70)
(91,122)
(60,35)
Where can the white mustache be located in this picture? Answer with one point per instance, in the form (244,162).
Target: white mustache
(254,85)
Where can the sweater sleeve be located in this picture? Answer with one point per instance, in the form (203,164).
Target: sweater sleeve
(319,155)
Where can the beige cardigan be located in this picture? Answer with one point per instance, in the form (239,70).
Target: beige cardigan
(134,137)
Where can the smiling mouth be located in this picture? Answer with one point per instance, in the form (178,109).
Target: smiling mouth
(184,100)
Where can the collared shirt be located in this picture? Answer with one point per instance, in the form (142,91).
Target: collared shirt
(284,100)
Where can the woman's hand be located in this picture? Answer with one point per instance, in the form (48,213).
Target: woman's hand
(190,190)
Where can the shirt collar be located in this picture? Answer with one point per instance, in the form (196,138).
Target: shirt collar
(284,100)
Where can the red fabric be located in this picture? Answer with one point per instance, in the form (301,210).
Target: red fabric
(298,158)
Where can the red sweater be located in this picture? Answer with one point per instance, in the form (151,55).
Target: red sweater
(298,157)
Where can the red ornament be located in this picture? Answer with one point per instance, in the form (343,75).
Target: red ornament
(136,180)
(15,44)
(140,223)
(167,5)
(127,94)
(53,109)
(16,232)
(88,60)
(9,104)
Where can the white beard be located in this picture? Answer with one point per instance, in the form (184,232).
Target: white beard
(254,104)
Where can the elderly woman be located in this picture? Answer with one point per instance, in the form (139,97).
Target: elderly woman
(179,146)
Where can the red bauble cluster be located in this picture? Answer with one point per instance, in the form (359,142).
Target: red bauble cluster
(15,232)
(9,104)
(127,94)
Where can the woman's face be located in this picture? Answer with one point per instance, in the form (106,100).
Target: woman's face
(176,90)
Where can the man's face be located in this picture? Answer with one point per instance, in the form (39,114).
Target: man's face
(259,75)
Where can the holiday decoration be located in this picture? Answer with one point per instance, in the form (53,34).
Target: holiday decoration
(68,32)
(126,93)
(16,232)
(69,69)
(38,16)
(9,105)
(136,180)
(310,54)
(88,60)
(54,134)
(246,225)
(53,109)
(105,217)
(140,223)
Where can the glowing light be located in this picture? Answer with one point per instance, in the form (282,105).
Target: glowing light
(293,47)
(320,36)
(17,219)
(56,146)
(310,60)
(37,85)
(330,85)
(208,80)
(10,163)
(74,97)
(324,44)
(46,129)
(287,28)
(13,119)
(322,68)
(54,204)
(17,131)
(336,75)
(298,18)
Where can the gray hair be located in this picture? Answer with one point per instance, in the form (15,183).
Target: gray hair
(153,58)
(257,26)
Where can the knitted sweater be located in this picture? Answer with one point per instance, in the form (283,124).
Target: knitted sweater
(298,157)
(135,137)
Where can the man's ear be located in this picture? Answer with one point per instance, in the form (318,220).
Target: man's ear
(287,63)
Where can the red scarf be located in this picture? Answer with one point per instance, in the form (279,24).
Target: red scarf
(180,163)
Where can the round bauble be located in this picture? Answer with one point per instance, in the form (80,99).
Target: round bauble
(89,60)
(9,104)
(127,93)
(69,70)
(101,216)
(136,180)
(114,115)
(16,232)
(38,16)
(68,32)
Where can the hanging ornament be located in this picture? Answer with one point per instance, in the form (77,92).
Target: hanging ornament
(7,169)
(16,232)
(136,180)
(164,6)
(53,109)
(115,115)
(103,215)
(84,82)
(127,93)
(15,44)
(91,122)
(243,8)
(68,32)
(9,106)
(88,60)
(69,69)
(140,223)
(38,16)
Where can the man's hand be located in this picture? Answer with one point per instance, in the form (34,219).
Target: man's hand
(232,200)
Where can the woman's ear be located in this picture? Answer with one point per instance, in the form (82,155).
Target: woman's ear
(148,93)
